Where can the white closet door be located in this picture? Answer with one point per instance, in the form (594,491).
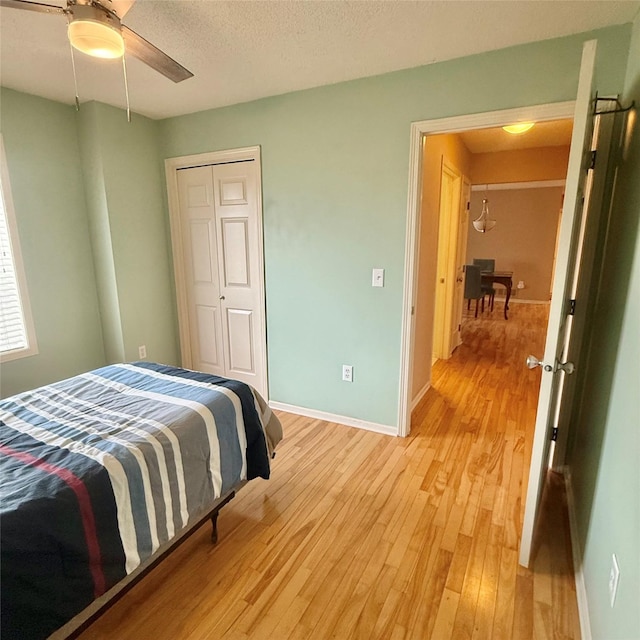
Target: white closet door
(199,242)
(237,216)
(221,236)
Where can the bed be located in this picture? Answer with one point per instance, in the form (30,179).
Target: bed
(102,472)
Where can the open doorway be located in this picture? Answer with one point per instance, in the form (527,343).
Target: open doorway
(519,180)
(421,236)
(522,178)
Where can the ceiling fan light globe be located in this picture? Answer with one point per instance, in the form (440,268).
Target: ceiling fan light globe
(96,39)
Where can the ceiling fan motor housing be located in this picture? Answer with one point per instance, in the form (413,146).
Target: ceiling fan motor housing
(95,30)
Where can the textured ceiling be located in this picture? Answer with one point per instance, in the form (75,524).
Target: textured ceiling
(244,50)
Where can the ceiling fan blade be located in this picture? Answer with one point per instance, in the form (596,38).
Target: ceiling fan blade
(40,7)
(142,49)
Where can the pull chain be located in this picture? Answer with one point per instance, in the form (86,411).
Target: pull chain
(126,88)
(75,79)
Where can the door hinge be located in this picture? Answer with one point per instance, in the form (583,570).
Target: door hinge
(554,434)
(572,307)
(413,310)
(459,327)
(592,164)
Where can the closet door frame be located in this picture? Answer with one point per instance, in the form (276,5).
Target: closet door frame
(172,165)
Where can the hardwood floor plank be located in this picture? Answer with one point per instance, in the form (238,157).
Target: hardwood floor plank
(505,596)
(468,604)
(485,612)
(445,618)
(523,613)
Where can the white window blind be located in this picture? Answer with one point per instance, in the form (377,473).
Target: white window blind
(13,333)
(17,338)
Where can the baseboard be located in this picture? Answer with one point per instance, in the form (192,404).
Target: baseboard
(576,551)
(332,417)
(522,301)
(416,401)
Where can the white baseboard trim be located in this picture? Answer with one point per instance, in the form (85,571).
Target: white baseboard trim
(416,401)
(522,301)
(332,417)
(581,587)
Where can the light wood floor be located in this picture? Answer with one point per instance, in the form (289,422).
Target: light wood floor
(360,535)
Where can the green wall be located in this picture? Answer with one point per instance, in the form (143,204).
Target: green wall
(43,159)
(605,458)
(124,181)
(100,232)
(335,171)
(88,190)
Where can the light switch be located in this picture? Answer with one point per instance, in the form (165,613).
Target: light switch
(377,279)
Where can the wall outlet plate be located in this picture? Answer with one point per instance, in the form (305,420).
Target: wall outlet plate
(347,372)
(142,352)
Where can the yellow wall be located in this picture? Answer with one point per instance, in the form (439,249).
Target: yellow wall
(522,165)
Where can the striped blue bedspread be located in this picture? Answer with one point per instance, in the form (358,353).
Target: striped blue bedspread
(101,469)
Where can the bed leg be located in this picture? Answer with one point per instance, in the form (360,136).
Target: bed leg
(214,529)
(214,516)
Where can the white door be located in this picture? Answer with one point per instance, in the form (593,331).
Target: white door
(449,212)
(558,331)
(461,256)
(200,247)
(588,265)
(221,246)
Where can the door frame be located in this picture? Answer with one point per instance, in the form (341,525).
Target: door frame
(172,165)
(455,124)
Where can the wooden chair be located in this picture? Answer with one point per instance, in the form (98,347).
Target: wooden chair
(473,286)
(487,264)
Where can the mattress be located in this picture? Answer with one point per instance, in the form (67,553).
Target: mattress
(101,470)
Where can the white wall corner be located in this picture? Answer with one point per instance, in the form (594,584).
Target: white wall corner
(576,551)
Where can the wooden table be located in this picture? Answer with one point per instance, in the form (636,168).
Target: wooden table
(505,278)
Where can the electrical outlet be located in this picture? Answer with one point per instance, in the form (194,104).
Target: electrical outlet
(142,352)
(347,372)
(614,577)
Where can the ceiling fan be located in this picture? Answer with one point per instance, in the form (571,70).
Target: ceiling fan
(95,28)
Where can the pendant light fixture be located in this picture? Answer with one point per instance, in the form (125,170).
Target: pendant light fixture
(484,223)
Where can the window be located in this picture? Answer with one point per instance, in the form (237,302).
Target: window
(17,335)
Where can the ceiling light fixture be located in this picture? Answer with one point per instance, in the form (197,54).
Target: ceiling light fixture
(96,32)
(483,222)
(521,127)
